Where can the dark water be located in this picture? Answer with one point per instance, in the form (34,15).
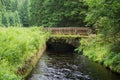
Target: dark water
(68,66)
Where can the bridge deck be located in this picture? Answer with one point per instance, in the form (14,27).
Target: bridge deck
(69,31)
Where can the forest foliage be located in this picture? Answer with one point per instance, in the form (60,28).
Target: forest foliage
(48,13)
(104,16)
(14,13)
(58,13)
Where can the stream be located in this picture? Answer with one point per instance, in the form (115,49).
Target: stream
(69,66)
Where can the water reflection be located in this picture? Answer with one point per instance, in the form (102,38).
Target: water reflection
(68,66)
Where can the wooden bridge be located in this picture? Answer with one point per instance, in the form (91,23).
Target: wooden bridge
(78,31)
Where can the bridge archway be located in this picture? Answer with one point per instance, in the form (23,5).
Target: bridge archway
(62,44)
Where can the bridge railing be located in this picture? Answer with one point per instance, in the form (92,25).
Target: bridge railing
(69,30)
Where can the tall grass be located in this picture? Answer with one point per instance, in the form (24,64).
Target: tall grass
(16,46)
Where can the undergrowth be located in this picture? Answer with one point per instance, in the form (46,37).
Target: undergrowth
(105,53)
(17,45)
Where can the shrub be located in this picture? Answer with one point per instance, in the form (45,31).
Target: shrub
(102,52)
(17,45)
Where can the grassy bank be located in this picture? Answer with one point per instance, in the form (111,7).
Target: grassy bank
(104,52)
(17,45)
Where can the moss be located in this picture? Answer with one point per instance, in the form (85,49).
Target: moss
(30,63)
(71,36)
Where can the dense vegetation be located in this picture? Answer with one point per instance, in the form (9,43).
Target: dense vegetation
(14,13)
(59,13)
(9,15)
(17,45)
(105,46)
(42,13)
